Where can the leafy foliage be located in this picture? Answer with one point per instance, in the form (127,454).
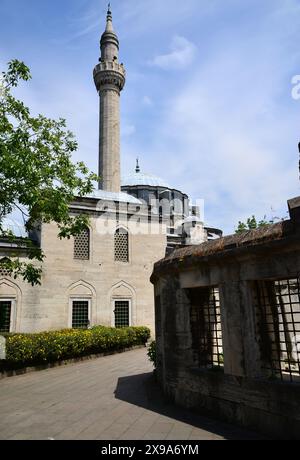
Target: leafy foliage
(152,352)
(37,175)
(44,347)
(252,224)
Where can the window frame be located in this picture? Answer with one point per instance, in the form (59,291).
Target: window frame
(276,321)
(210,333)
(122,262)
(113,319)
(89,246)
(12,312)
(79,299)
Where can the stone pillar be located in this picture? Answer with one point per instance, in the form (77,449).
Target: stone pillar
(231,315)
(109,140)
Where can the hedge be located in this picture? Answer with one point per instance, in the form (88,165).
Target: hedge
(45,347)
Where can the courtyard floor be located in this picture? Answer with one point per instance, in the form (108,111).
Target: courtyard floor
(108,398)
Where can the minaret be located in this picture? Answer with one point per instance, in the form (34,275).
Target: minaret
(109,78)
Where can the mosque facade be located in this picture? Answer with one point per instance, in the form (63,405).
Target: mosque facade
(102,276)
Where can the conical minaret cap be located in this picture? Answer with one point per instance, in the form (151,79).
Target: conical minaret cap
(109,33)
(109,24)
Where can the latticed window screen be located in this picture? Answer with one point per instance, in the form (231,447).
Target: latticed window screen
(278,308)
(82,245)
(121,245)
(206,326)
(121,313)
(4,272)
(80,314)
(5,312)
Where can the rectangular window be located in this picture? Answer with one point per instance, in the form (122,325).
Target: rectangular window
(121,313)
(278,314)
(121,245)
(5,314)
(82,245)
(80,314)
(206,327)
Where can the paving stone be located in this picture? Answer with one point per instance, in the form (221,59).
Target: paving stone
(114,397)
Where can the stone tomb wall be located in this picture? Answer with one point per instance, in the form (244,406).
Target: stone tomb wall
(228,327)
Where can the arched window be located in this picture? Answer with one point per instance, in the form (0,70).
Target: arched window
(82,245)
(4,271)
(121,245)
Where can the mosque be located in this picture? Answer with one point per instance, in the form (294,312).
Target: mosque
(102,276)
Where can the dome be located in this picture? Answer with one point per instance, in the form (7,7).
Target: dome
(192,219)
(139,178)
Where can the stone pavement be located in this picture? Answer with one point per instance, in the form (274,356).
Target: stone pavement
(108,398)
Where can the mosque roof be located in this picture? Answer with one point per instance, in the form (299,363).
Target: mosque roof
(140,178)
(113,196)
(144,179)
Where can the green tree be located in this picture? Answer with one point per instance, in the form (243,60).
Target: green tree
(252,224)
(37,175)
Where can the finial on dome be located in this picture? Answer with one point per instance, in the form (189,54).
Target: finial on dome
(137,169)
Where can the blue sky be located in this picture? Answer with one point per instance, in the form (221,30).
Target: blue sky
(207,103)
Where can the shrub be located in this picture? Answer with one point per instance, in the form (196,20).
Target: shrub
(152,353)
(44,347)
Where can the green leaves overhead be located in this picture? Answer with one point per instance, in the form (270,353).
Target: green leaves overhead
(36,168)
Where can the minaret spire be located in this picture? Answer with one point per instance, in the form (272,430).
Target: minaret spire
(137,169)
(109,77)
(109,25)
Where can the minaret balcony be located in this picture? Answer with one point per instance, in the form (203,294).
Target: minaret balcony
(110,65)
(109,74)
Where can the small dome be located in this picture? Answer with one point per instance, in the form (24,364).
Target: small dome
(192,219)
(139,178)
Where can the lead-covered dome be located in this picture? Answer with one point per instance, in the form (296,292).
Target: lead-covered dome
(139,178)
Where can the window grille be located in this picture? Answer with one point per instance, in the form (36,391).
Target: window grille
(278,308)
(206,327)
(121,313)
(3,270)
(121,245)
(5,312)
(82,245)
(80,314)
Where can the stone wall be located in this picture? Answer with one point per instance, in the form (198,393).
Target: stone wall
(100,280)
(237,385)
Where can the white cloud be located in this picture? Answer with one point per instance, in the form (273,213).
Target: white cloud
(230,134)
(226,131)
(182,53)
(147,101)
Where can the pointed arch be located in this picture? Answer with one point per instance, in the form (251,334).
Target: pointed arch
(81,304)
(121,244)
(10,292)
(123,292)
(81,287)
(121,288)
